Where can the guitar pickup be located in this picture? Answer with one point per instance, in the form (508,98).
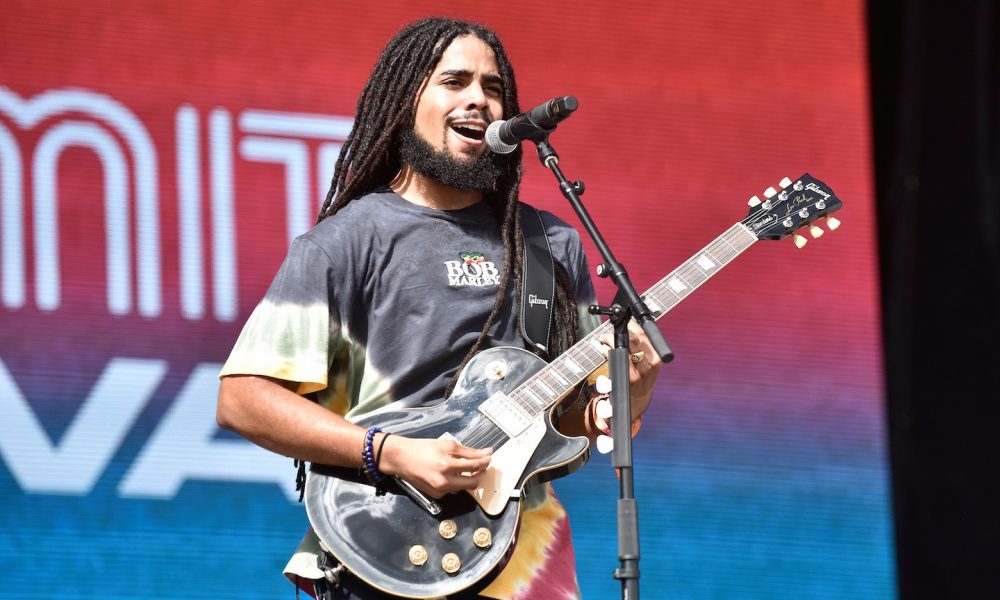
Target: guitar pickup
(506,414)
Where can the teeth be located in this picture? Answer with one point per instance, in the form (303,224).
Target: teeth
(471,131)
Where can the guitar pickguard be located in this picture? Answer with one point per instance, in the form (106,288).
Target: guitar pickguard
(500,482)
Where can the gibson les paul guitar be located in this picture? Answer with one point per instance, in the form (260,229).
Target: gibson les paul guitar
(411,546)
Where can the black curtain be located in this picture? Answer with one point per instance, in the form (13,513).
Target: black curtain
(935,68)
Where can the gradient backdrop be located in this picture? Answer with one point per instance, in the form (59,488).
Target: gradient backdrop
(156,159)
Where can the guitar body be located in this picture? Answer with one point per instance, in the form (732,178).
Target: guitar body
(372,535)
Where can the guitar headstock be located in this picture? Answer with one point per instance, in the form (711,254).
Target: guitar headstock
(797,204)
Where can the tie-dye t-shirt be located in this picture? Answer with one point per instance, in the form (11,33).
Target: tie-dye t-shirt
(379,304)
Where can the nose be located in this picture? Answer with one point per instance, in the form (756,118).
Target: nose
(475,97)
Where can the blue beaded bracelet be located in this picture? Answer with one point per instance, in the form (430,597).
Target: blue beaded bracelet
(368,456)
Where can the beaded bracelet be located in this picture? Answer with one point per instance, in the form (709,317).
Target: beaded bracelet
(368,457)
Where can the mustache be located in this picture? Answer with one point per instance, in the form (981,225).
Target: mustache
(469,115)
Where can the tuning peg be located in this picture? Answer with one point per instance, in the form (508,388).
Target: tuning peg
(603,384)
(605,444)
(816,231)
(604,410)
(769,192)
(833,223)
(755,201)
(785,182)
(799,240)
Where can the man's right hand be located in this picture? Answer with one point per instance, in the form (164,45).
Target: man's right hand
(435,467)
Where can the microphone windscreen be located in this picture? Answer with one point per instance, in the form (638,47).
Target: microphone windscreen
(493,139)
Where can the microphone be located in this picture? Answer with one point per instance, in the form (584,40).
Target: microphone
(503,136)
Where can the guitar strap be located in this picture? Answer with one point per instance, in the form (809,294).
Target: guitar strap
(538,281)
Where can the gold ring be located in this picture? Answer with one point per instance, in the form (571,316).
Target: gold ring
(638,357)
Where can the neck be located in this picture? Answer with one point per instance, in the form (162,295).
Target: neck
(420,189)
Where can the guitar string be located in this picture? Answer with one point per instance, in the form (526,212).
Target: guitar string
(493,433)
(691,274)
(487,434)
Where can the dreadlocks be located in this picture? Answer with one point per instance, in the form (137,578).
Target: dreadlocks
(370,156)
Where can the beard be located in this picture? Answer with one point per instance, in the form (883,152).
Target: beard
(475,175)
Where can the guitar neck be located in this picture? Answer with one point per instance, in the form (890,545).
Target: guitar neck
(558,378)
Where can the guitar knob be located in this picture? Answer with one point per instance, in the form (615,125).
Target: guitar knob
(448,529)
(816,231)
(451,563)
(833,223)
(418,555)
(482,538)
(496,370)
(799,240)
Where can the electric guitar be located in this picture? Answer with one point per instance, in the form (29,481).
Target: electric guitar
(406,544)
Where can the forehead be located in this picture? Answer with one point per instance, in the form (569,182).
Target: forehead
(468,53)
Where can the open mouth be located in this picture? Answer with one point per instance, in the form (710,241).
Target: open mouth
(472,132)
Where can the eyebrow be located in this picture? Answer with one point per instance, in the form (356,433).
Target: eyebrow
(490,78)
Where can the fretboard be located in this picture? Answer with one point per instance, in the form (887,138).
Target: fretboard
(558,378)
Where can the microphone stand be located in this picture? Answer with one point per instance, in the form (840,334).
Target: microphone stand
(626,304)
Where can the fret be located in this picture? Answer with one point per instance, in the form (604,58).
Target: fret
(554,372)
(572,364)
(653,305)
(666,296)
(676,284)
(692,276)
(557,378)
(535,399)
(517,399)
(731,246)
(670,290)
(595,354)
(706,263)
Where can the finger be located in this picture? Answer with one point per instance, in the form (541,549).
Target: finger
(466,481)
(460,451)
(634,376)
(652,358)
(608,341)
(633,341)
(474,465)
(474,460)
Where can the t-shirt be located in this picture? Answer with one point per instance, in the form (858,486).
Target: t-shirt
(379,304)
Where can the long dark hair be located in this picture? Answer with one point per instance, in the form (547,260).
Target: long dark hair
(369,158)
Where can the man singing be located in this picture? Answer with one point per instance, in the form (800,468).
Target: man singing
(414,266)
